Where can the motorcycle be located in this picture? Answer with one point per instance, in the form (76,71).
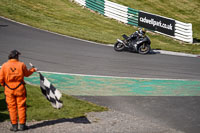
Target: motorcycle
(138,44)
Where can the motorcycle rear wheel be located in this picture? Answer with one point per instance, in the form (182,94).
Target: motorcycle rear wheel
(119,46)
(144,49)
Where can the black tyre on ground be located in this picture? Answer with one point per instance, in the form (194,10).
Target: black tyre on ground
(144,48)
(119,46)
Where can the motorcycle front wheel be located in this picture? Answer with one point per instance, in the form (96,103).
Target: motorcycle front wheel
(119,46)
(144,49)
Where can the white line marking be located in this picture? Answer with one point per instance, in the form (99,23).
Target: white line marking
(175,53)
(86,75)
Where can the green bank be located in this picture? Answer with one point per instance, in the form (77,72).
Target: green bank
(68,18)
(83,85)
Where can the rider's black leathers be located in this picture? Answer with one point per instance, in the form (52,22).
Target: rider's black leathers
(135,36)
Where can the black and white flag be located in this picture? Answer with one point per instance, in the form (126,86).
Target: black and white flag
(50,92)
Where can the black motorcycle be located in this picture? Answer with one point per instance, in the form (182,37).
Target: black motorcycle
(136,44)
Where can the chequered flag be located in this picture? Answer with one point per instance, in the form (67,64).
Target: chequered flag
(50,92)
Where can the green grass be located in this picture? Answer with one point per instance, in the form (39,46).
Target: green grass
(38,108)
(66,17)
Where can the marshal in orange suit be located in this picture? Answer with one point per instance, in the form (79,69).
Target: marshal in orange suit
(12,75)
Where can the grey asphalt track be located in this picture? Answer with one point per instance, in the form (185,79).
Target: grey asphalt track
(57,53)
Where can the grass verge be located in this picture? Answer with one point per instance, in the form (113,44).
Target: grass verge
(38,108)
(68,18)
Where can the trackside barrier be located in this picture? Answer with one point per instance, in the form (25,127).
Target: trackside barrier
(183,31)
(112,10)
(167,26)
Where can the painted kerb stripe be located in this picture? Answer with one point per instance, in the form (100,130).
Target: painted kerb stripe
(114,86)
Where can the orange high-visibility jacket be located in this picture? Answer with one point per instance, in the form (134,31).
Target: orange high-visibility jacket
(12,76)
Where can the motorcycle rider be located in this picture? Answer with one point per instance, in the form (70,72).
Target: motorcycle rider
(140,33)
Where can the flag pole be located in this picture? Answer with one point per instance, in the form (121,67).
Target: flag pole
(34,67)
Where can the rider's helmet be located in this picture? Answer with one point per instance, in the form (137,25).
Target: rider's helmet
(142,31)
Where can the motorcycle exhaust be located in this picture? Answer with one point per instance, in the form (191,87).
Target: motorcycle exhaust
(120,41)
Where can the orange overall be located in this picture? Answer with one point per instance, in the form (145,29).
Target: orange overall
(12,78)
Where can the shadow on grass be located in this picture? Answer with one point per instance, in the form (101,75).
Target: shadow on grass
(3,107)
(196,40)
(82,120)
(4,117)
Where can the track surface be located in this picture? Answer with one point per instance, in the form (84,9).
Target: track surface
(56,53)
(62,54)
